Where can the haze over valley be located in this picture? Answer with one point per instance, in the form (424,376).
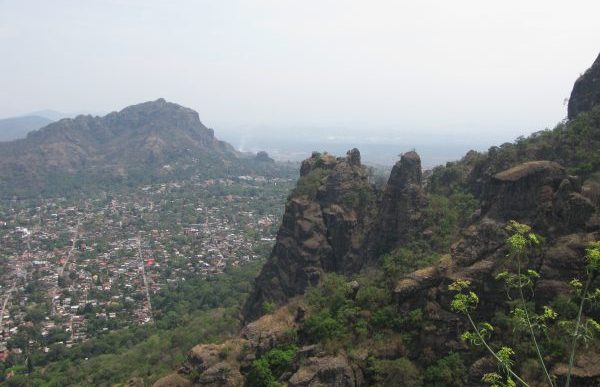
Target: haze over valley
(300,194)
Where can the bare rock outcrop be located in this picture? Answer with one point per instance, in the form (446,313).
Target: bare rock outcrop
(326,371)
(402,200)
(323,229)
(586,91)
(539,193)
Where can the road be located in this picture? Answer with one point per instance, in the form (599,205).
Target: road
(6,299)
(17,268)
(143,271)
(61,269)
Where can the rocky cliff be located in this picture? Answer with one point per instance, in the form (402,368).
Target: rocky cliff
(399,215)
(586,91)
(323,229)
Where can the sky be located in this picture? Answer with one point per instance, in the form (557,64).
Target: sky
(345,70)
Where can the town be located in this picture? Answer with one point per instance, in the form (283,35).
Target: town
(74,268)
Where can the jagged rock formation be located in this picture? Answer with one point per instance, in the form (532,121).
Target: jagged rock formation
(326,371)
(402,200)
(323,229)
(537,193)
(586,91)
(340,226)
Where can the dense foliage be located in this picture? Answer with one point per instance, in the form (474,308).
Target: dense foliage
(573,144)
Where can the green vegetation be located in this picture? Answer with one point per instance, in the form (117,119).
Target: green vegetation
(449,371)
(442,220)
(309,184)
(573,144)
(269,367)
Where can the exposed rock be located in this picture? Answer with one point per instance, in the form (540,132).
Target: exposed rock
(221,375)
(400,210)
(586,369)
(273,329)
(328,371)
(172,380)
(417,281)
(479,368)
(586,91)
(538,193)
(216,365)
(318,234)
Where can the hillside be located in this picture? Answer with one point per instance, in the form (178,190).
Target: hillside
(141,143)
(361,286)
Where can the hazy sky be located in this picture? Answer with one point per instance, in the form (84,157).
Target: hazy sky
(386,70)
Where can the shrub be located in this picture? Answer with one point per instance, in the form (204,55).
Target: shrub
(449,371)
(309,184)
(268,307)
(279,359)
(322,326)
(260,374)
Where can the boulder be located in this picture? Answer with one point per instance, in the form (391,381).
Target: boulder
(172,380)
(327,371)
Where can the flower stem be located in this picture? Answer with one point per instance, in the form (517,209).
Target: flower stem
(577,325)
(535,343)
(510,371)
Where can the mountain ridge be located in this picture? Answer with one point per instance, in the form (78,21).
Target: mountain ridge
(139,140)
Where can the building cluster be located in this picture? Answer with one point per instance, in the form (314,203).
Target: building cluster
(71,269)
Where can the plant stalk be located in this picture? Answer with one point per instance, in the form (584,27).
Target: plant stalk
(577,324)
(508,369)
(535,343)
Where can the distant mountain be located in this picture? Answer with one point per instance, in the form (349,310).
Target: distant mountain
(52,115)
(140,143)
(18,127)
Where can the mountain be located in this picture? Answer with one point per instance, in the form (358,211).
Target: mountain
(18,127)
(139,143)
(357,290)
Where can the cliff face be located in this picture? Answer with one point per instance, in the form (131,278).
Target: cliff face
(538,193)
(323,229)
(343,228)
(586,91)
(399,217)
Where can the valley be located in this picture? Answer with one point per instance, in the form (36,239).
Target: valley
(78,268)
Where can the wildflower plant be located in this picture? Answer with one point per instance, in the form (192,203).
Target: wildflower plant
(524,318)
